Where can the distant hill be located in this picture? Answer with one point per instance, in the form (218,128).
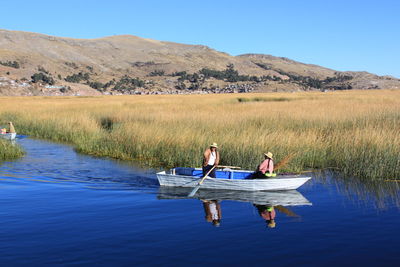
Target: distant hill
(37,64)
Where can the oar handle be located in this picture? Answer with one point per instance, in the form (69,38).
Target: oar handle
(202,179)
(230,167)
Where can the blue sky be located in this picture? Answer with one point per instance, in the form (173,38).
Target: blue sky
(342,35)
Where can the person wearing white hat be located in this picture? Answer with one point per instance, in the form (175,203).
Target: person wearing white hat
(210,159)
(266,168)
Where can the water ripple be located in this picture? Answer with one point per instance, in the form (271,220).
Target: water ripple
(53,163)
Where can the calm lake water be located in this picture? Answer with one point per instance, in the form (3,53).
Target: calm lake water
(62,208)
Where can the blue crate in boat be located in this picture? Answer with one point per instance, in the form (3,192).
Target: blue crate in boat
(198,173)
(241,175)
(219,173)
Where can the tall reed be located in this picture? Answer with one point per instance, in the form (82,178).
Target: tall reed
(9,151)
(354,131)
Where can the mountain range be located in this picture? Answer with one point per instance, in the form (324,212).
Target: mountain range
(38,64)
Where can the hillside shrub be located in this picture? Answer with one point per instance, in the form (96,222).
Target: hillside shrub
(12,64)
(41,77)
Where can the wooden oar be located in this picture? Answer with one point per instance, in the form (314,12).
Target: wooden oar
(201,181)
(286,211)
(284,161)
(229,167)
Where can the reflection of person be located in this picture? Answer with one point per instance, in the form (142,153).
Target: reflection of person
(268,214)
(212,209)
(266,168)
(210,159)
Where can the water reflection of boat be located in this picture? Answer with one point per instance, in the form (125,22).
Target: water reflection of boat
(273,198)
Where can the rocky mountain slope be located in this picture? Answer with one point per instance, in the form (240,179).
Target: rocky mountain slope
(37,64)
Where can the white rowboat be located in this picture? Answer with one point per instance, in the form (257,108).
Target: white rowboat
(8,136)
(229,179)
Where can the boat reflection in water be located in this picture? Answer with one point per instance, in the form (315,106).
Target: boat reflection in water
(266,202)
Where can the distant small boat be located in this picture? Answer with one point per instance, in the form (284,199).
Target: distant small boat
(272,198)
(229,179)
(8,136)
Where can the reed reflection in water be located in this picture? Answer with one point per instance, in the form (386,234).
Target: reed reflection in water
(382,194)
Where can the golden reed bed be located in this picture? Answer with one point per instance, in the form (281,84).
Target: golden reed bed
(354,131)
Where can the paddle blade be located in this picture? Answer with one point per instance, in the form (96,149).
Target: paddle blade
(284,161)
(286,211)
(194,191)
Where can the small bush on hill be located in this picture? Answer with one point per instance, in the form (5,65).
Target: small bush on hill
(96,85)
(71,65)
(157,73)
(41,77)
(12,64)
(127,83)
(41,69)
(77,78)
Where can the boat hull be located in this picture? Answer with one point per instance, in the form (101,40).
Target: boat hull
(271,184)
(8,136)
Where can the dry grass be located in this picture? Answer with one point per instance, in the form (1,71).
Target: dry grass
(356,131)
